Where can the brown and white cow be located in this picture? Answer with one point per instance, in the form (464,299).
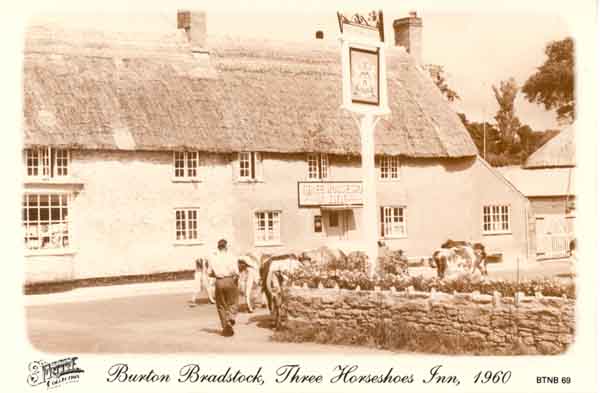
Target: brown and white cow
(202,282)
(460,256)
(274,275)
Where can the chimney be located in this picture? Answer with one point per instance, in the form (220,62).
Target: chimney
(194,24)
(407,33)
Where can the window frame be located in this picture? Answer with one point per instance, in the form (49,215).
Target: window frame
(391,164)
(276,241)
(186,229)
(318,166)
(384,223)
(254,167)
(47,166)
(62,224)
(500,215)
(185,160)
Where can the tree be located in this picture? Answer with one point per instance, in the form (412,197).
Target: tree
(438,75)
(553,84)
(508,123)
(486,144)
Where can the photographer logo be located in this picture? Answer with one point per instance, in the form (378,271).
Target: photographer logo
(53,374)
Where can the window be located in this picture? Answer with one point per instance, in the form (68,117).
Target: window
(45,221)
(186,164)
(186,225)
(249,165)
(393,221)
(496,219)
(389,167)
(47,162)
(267,227)
(318,166)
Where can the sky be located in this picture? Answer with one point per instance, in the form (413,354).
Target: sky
(477,50)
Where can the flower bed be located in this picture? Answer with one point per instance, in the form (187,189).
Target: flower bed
(346,279)
(350,272)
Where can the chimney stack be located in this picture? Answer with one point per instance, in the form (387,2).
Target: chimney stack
(407,33)
(194,24)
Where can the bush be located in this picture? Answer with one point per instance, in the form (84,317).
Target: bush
(392,262)
(350,279)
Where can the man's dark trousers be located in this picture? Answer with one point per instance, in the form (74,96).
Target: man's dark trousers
(226,297)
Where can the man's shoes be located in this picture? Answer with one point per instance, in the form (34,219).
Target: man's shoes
(228,331)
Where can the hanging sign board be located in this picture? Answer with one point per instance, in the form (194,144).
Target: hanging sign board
(363,63)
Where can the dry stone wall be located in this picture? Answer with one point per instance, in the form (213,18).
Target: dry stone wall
(534,324)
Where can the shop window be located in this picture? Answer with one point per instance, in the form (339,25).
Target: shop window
(45,220)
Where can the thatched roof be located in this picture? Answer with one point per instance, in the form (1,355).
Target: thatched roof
(557,152)
(116,91)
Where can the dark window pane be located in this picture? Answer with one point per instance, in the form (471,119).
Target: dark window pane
(55,214)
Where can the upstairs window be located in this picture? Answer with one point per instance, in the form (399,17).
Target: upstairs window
(318,166)
(46,163)
(186,164)
(389,167)
(249,166)
(496,219)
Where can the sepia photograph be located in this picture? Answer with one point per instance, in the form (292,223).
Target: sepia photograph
(343,181)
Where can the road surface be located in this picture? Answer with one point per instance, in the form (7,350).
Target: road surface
(158,323)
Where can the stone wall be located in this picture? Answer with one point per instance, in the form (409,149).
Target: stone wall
(498,325)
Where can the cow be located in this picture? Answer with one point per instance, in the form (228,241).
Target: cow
(274,275)
(249,278)
(481,258)
(202,281)
(462,255)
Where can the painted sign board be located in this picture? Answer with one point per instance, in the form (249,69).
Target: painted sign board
(330,193)
(363,63)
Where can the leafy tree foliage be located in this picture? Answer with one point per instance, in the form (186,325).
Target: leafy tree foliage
(506,119)
(553,84)
(496,152)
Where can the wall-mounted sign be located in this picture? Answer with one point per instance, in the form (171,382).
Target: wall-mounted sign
(330,193)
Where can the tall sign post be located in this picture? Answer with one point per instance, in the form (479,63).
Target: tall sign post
(364,95)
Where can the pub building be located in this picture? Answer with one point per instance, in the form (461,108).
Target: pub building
(142,150)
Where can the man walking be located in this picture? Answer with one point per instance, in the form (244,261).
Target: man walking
(224,267)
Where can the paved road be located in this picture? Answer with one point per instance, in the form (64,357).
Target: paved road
(160,323)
